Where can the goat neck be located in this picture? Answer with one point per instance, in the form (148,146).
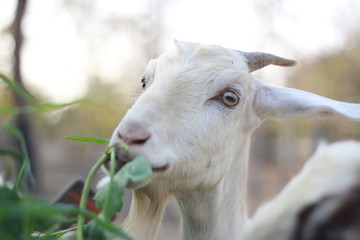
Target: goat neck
(219,212)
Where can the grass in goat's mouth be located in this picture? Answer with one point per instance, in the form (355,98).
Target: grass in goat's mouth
(119,164)
(122,157)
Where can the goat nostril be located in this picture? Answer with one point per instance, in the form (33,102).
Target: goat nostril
(133,137)
(133,133)
(120,135)
(139,140)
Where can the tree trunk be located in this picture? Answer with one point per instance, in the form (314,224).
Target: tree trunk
(22,121)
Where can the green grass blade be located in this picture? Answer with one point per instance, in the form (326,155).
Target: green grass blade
(11,152)
(85,194)
(9,110)
(19,176)
(42,107)
(92,140)
(62,233)
(18,89)
(6,122)
(25,168)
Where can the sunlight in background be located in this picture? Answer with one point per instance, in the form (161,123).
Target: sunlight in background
(59,56)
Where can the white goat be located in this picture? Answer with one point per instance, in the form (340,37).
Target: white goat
(321,202)
(193,123)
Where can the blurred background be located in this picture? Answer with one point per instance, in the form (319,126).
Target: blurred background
(63,50)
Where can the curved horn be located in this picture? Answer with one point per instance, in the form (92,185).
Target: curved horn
(257,60)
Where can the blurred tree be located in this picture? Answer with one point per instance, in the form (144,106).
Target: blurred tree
(22,121)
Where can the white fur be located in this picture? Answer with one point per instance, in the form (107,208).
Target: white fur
(333,169)
(204,143)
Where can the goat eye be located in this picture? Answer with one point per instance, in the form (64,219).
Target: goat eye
(229,98)
(143,82)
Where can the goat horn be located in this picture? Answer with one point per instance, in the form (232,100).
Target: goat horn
(257,60)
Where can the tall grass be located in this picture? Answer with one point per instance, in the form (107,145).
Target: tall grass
(24,217)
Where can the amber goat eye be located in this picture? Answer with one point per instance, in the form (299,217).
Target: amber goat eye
(229,98)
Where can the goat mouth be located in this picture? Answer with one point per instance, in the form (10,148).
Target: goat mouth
(162,168)
(121,163)
(121,159)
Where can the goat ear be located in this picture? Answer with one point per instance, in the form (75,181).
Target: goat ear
(278,102)
(184,47)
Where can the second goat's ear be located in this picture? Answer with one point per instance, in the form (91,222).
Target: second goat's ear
(279,102)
